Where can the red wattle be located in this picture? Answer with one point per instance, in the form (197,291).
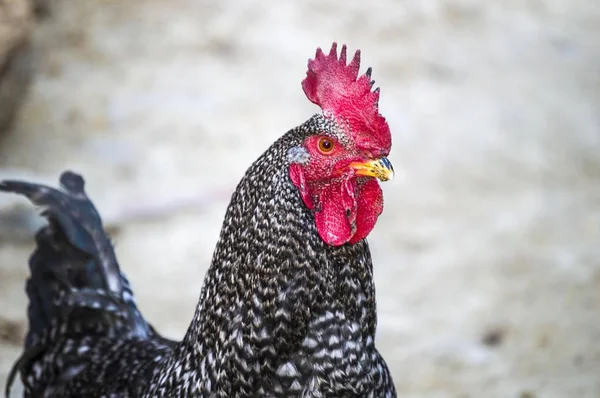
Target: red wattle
(336,212)
(345,210)
(369,207)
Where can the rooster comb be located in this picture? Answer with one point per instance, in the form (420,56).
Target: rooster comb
(336,87)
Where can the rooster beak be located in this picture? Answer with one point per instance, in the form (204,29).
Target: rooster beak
(379,168)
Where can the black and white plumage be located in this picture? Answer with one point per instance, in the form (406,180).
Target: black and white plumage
(282,313)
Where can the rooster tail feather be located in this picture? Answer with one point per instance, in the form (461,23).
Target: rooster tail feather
(74,268)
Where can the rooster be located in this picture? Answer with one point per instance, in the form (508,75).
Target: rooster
(288,306)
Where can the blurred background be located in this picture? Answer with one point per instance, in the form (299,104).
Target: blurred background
(487,257)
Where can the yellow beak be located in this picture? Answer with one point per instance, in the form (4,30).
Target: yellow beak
(379,168)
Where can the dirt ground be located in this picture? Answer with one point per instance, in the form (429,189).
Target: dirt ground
(486,257)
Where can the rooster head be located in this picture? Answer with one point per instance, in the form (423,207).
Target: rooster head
(337,167)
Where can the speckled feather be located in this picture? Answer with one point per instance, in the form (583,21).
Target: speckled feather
(281,313)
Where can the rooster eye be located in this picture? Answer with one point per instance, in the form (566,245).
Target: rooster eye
(325,145)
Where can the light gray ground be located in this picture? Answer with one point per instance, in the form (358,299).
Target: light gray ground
(486,257)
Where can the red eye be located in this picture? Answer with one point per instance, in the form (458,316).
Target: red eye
(325,145)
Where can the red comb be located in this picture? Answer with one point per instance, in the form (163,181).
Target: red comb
(339,91)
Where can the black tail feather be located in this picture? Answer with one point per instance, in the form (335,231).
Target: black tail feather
(74,265)
(78,219)
(75,281)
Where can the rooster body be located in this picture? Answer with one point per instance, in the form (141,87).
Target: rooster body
(287,308)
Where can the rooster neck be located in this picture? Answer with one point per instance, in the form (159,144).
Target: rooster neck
(271,275)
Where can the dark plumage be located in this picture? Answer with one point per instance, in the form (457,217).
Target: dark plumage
(282,313)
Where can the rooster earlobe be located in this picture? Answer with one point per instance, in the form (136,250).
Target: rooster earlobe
(297,177)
